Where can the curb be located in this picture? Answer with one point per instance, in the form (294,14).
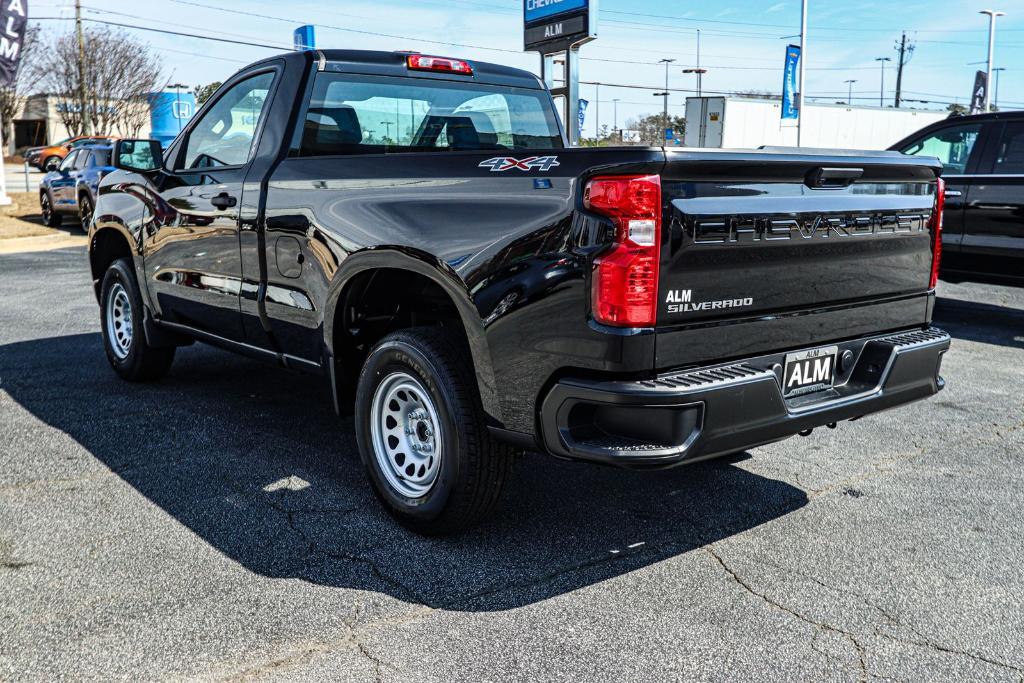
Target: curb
(41,243)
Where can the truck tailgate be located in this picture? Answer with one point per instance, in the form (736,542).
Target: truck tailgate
(768,235)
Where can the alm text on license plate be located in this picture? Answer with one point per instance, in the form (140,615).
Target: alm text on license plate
(807,371)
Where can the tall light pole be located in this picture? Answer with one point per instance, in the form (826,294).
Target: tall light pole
(992,14)
(666,62)
(597,111)
(615,115)
(995,95)
(700,72)
(849,94)
(881,89)
(800,72)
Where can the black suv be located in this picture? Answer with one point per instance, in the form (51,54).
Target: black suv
(983,166)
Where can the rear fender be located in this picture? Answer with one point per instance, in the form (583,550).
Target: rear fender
(428,266)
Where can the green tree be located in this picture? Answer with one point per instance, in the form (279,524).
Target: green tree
(651,128)
(204,92)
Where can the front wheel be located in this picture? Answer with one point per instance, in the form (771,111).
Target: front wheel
(51,218)
(422,435)
(85,210)
(121,318)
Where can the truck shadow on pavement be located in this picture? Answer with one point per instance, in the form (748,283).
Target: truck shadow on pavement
(986,323)
(252,459)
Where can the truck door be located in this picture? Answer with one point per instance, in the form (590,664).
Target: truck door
(994,217)
(955,146)
(192,261)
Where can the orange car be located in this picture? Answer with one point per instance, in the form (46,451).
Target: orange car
(49,158)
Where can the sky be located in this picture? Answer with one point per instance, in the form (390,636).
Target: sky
(742,43)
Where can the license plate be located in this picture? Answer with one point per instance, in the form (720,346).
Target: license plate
(808,371)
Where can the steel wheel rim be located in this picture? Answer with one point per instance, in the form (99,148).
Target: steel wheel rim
(407,441)
(119,321)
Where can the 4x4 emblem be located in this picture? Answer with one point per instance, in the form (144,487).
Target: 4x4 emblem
(527,164)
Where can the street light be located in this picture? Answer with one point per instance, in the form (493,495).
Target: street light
(700,72)
(849,96)
(992,14)
(666,62)
(881,90)
(995,96)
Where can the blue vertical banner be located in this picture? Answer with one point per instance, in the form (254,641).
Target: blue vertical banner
(789,83)
(304,38)
(582,114)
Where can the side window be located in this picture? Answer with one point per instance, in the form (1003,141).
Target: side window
(69,161)
(224,136)
(1010,154)
(82,161)
(951,145)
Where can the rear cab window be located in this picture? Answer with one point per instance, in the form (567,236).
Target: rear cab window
(358,114)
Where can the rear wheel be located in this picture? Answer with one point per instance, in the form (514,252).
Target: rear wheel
(422,435)
(121,318)
(51,218)
(85,210)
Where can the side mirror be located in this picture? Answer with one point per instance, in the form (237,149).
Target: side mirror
(141,156)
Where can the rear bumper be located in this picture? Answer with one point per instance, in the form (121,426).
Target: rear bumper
(700,413)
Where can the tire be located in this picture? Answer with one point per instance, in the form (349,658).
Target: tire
(85,209)
(51,218)
(441,415)
(51,163)
(121,322)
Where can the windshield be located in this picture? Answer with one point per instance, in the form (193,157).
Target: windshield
(351,114)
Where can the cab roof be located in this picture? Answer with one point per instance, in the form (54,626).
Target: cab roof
(380,63)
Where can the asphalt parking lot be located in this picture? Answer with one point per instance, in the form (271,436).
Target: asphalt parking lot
(217,525)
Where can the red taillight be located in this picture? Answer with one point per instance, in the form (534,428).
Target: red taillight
(443,64)
(625,288)
(935,227)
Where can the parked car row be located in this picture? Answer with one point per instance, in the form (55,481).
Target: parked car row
(71,188)
(48,158)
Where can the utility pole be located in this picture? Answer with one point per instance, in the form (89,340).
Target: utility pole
(86,118)
(905,52)
(992,14)
(664,95)
(881,89)
(615,116)
(849,95)
(597,111)
(800,70)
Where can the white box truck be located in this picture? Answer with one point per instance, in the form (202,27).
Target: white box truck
(746,123)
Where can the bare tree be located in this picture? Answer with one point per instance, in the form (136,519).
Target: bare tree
(11,98)
(119,73)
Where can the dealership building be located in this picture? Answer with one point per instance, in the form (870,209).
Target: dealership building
(39,119)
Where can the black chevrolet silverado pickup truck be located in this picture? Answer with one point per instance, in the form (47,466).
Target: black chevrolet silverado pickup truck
(415,229)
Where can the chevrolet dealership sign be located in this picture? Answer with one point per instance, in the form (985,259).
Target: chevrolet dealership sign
(542,9)
(554,25)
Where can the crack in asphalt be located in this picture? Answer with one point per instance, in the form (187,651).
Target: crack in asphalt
(922,641)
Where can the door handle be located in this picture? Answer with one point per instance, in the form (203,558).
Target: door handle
(223,201)
(954,193)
